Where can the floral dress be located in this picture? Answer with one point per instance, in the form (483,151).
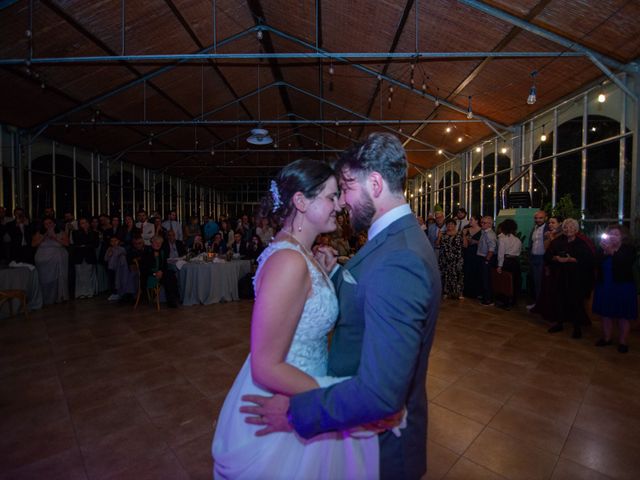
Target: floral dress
(451,264)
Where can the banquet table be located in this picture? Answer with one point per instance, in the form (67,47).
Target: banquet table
(207,283)
(21,278)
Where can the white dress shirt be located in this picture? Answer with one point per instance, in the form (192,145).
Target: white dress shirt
(388,218)
(148,231)
(508,245)
(537,240)
(174,225)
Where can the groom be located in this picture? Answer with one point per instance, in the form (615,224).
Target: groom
(389,296)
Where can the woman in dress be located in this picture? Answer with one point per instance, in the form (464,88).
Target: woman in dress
(295,308)
(616,296)
(52,262)
(570,262)
(544,304)
(471,260)
(450,260)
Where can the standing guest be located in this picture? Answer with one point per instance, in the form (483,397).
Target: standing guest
(146,228)
(52,262)
(129,231)
(198,245)
(487,250)
(264,231)
(70,223)
(158,229)
(616,298)
(85,241)
(461,219)
(226,232)
(554,230)
(471,261)
(450,260)
(434,228)
(210,229)
(173,248)
(172,223)
(95,225)
(20,237)
(571,272)
(537,248)
(421,222)
(544,303)
(5,239)
(116,258)
(247,229)
(509,249)
(191,230)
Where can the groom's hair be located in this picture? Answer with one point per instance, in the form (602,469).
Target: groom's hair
(382,153)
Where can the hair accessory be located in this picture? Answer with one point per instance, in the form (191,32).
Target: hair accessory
(275,196)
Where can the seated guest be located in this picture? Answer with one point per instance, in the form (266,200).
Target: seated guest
(173,248)
(198,246)
(254,247)
(52,262)
(571,264)
(137,250)
(264,231)
(20,235)
(238,247)
(172,223)
(83,254)
(509,248)
(210,229)
(616,298)
(158,229)
(218,245)
(154,271)
(226,232)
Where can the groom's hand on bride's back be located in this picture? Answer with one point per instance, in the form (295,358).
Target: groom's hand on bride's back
(270,412)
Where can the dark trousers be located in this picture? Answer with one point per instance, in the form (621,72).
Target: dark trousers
(512,265)
(536,265)
(486,268)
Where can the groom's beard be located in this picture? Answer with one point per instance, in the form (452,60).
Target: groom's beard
(363,212)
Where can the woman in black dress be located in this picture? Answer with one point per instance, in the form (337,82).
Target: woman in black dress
(471,267)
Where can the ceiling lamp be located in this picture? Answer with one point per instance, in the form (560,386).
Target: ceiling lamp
(259,136)
(531,99)
(602,98)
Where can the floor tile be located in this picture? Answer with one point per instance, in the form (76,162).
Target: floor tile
(465,469)
(473,405)
(439,460)
(451,429)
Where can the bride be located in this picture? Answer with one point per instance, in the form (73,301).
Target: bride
(295,308)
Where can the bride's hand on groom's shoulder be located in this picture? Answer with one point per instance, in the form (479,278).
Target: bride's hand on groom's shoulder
(326,256)
(269,412)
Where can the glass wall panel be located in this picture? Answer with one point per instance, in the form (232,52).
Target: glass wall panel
(602,181)
(570,125)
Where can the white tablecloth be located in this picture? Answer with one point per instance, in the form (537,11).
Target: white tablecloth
(206,283)
(21,278)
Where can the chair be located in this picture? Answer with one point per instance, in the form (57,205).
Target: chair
(153,294)
(9,296)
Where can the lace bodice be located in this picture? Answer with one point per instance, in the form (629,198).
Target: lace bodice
(309,349)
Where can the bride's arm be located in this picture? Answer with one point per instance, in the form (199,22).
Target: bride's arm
(281,291)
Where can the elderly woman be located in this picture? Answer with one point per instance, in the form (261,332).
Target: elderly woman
(52,262)
(570,262)
(616,298)
(450,260)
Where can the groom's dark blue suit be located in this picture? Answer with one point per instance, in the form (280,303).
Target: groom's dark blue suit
(389,302)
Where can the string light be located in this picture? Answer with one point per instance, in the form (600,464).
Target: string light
(478,149)
(448,129)
(459,139)
(543,137)
(504,150)
(602,98)
(533,97)
(440,151)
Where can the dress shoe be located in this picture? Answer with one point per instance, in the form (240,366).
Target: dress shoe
(555,328)
(622,348)
(577,333)
(603,343)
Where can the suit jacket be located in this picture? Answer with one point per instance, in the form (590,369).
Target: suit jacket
(84,247)
(389,304)
(179,247)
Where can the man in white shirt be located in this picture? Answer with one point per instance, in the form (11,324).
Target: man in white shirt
(172,223)
(536,252)
(461,219)
(487,249)
(509,248)
(147,229)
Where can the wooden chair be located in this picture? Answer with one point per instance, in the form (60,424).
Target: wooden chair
(153,294)
(9,296)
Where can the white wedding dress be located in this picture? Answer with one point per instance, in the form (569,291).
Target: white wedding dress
(239,454)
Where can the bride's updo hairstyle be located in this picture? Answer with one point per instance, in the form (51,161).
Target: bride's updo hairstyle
(305,175)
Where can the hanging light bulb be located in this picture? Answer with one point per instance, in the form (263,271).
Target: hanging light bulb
(478,149)
(440,151)
(602,98)
(533,97)
(459,139)
(469,110)
(259,34)
(543,137)
(504,150)
(448,129)
(436,102)
(331,70)
(429,176)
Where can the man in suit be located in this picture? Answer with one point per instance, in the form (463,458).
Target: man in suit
(389,299)
(238,247)
(173,248)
